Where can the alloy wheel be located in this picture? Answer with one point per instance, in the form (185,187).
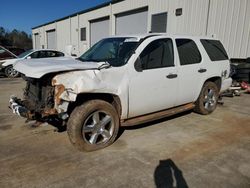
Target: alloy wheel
(98,128)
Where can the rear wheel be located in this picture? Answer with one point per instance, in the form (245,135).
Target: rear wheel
(10,72)
(93,125)
(207,101)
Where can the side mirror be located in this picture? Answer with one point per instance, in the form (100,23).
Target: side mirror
(138,65)
(28,57)
(73,55)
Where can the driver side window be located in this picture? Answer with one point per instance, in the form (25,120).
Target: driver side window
(158,54)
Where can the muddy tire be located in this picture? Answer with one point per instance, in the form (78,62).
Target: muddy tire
(93,125)
(10,72)
(207,101)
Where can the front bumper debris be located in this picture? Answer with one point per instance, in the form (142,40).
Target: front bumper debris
(18,108)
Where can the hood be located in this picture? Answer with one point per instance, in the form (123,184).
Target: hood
(40,67)
(8,62)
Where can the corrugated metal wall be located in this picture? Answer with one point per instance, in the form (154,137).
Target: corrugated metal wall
(228,20)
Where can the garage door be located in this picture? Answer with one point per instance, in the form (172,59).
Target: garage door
(132,22)
(37,41)
(99,29)
(51,39)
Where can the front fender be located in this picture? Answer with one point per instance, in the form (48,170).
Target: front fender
(69,85)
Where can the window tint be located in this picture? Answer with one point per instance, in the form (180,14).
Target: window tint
(215,50)
(157,54)
(42,54)
(34,55)
(51,54)
(59,54)
(188,52)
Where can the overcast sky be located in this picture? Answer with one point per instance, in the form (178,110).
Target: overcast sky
(25,14)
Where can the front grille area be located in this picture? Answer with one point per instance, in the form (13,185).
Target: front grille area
(38,95)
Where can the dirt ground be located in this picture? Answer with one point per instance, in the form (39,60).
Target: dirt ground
(185,150)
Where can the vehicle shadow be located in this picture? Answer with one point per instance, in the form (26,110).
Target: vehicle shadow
(58,124)
(168,175)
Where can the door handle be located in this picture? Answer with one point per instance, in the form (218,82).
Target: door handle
(202,70)
(171,76)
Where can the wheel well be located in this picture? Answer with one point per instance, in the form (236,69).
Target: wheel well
(110,98)
(216,80)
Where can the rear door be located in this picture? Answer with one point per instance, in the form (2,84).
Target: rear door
(191,70)
(155,87)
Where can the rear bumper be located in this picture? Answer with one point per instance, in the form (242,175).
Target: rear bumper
(226,84)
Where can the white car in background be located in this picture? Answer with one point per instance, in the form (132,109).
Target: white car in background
(6,65)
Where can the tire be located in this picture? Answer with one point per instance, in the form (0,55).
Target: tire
(207,101)
(93,125)
(10,72)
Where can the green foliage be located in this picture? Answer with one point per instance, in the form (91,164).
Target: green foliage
(15,38)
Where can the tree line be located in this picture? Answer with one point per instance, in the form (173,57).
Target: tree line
(15,38)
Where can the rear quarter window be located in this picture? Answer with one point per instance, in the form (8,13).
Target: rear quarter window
(215,50)
(59,54)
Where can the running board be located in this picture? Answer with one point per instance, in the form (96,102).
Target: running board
(157,115)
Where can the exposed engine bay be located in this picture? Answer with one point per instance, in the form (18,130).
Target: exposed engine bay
(38,99)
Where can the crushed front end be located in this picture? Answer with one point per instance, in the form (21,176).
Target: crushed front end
(39,101)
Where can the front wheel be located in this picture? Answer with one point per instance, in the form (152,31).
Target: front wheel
(10,72)
(207,101)
(93,125)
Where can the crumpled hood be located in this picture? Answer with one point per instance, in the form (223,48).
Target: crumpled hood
(40,67)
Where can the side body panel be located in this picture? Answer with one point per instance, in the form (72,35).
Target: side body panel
(150,90)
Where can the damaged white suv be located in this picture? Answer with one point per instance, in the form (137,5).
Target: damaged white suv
(124,81)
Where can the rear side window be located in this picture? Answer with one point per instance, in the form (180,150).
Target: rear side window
(51,54)
(158,54)
(188,52)
(215,50)
(59,54)
(42,54)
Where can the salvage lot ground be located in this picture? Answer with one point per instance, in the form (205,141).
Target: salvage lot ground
(200,151)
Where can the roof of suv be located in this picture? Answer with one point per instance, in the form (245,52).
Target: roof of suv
(147,35)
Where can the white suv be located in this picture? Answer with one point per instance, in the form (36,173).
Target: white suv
(124,81)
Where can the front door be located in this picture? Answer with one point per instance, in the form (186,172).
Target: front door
(155,87)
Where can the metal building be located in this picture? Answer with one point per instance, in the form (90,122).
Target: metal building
(228,20)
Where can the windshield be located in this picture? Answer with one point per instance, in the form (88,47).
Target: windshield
(115,51)
(22,55)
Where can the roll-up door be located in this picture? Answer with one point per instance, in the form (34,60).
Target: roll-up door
(99,29)
(132,22)
(51,39)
